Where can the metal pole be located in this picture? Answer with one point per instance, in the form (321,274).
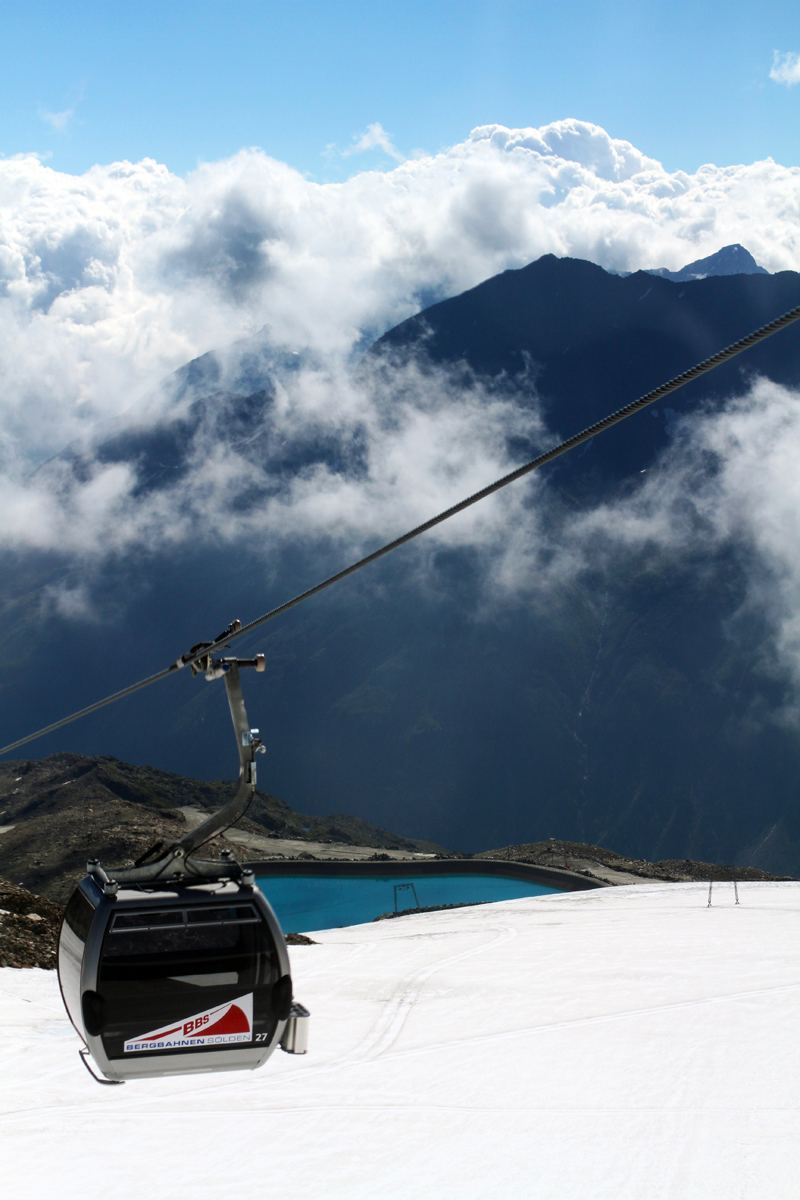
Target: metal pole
(710,886)
(736,890)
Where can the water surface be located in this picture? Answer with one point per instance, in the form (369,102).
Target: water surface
(305,902)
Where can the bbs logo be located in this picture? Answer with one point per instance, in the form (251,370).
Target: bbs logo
(195,1025)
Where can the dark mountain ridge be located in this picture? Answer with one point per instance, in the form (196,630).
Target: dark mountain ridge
(591,342)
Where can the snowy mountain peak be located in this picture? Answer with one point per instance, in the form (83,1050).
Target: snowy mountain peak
(730,260)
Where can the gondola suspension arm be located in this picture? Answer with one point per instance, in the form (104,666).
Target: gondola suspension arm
(248,743)
(174,862)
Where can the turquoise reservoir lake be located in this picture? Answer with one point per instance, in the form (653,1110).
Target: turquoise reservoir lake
(305,902)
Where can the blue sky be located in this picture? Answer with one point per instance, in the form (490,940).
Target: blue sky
(687,83)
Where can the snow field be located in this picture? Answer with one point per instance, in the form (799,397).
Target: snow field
(620,1043)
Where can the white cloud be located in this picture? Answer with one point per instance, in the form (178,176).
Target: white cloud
(374,137)
(112,279)
(729,480)
(59,120)
(785,68)
(400,444)
(72,602)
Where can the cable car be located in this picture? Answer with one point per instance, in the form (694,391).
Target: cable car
(176,965)
(176,980)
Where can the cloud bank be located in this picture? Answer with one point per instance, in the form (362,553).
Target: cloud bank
(328,456)
(111,280)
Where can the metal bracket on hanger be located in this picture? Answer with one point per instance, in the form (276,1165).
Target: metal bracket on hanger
(174,862)
(83,1055)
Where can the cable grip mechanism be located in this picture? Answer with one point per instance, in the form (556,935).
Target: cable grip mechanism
(173,861)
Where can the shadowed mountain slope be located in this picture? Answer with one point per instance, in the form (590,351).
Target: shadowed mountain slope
(57,812)
(590,342)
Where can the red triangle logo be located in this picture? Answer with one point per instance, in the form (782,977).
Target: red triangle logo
(234,1021)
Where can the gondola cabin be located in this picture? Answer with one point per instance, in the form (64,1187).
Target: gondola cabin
(177,978)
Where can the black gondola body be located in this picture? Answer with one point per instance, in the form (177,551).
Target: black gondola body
(174,981)
(176,966)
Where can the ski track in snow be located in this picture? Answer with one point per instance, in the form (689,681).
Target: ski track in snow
(389,1025)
